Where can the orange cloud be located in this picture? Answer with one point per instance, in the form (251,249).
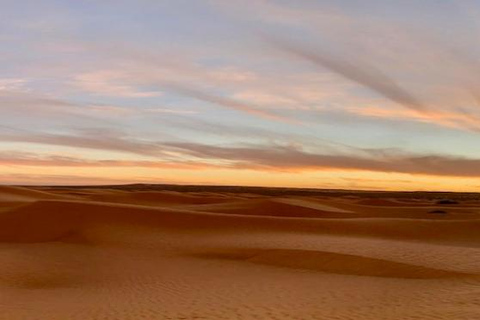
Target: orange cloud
(443,118)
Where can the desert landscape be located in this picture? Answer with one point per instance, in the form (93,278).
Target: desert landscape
(239,160)
(191,252)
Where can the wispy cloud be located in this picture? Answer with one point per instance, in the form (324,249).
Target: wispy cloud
(228,103)
(413,66)
(36,160)
(357,71)
(110,83)
(93,139)
(273,158)
(44,109)
(9,84)
(458,120)
(296,159)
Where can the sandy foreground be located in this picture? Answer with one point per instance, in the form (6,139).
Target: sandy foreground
(106,253)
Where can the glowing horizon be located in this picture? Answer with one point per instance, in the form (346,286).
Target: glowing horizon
(324,94)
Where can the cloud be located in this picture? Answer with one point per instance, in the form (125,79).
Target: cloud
(356,71)
(269,158)
(458,120)
(129,70)
(110,83)
(296,15)
(57,103)
(414,65)
(228,103)
(10,84)
(293,158)
(105,140)
(37,160)
(44,109)
(55,180)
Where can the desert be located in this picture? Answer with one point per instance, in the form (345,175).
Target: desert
(239,160)
(173,252)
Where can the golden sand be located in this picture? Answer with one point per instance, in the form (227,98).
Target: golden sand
(106,254)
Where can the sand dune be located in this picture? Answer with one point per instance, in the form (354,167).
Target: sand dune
(103,253)
(19,194)
(157,198)
(277,207)
(50,219)
(329,262)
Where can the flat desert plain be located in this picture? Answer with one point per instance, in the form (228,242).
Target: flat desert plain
(147,252)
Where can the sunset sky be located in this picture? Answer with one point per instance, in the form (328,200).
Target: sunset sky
(299,93)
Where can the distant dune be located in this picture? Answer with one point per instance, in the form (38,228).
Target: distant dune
(140,252)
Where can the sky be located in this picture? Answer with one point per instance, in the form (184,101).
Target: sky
(349,94)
